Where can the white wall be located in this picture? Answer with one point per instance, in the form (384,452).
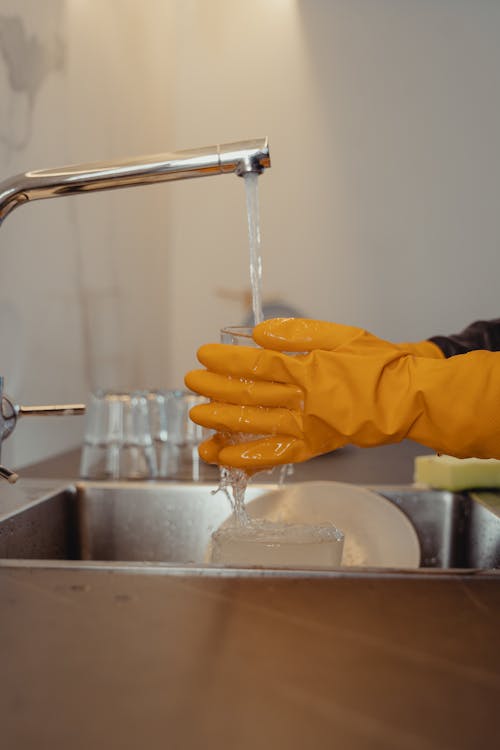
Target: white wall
(380,209)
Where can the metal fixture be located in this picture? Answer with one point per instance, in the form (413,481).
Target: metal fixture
(10,413)
(237,158)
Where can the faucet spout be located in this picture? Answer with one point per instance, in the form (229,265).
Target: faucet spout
(238,158)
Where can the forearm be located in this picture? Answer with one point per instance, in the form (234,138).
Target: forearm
(458,404)
(483,334)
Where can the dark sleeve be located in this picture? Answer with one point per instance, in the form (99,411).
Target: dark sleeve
(483,334)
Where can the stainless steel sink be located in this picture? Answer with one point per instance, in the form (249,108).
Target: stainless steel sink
(172,524)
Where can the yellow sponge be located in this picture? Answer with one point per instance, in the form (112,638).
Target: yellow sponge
(455,474)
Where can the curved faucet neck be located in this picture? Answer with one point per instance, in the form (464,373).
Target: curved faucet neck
(239,158)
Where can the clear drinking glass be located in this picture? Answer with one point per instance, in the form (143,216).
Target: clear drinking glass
(237,335)
(118,442)
(143,435)
(176,437)
(242,336)
(260,542)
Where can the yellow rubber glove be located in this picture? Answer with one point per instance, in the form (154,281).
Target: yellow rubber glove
(350,388)
(304,334)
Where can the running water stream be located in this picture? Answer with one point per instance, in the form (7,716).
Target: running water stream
(252,199)
(256,541)
(234,481)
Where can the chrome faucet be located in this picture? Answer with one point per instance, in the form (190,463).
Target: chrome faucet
(237,158)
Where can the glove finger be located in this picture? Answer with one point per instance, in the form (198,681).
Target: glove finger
(209,449)
(264,453)
(244,391)
(303,334)
(251,363)
(250,420)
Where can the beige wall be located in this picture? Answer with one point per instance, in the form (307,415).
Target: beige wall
(82,291)
(381,207)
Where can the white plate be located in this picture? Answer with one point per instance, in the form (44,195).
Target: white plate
(377,533)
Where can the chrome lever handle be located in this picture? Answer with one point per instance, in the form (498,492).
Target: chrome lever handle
(10,413)
(9,475)
(58,410)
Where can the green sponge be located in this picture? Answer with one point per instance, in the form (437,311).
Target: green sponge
(456,474)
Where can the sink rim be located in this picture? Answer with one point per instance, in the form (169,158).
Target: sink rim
(37,491)
(211,571)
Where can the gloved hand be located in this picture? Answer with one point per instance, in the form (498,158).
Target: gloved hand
(350,387)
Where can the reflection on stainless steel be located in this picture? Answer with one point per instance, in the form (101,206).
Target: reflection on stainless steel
(172,523)
(454,531)
(239,158)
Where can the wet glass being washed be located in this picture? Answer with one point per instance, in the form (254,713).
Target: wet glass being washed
(235,480)
(260,542)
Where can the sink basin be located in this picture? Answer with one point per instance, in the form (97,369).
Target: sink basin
(172,523)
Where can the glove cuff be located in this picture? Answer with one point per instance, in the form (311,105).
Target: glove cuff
(455,404)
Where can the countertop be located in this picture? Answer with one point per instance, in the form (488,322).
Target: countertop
(103,659)
(93,659)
